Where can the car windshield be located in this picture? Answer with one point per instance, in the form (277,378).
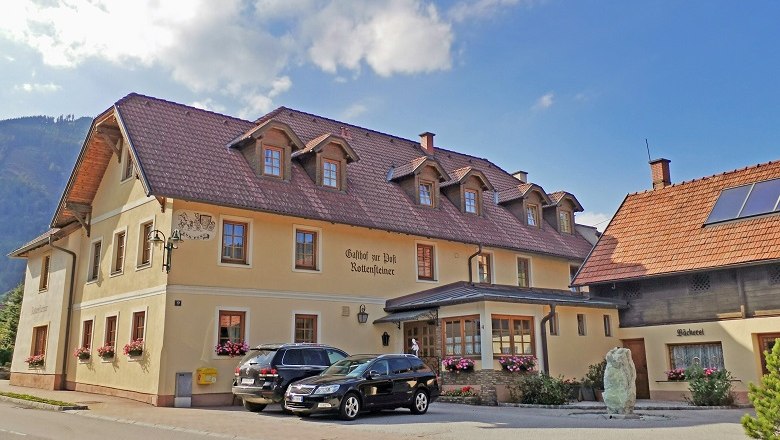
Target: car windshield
(348,367)
(258,357)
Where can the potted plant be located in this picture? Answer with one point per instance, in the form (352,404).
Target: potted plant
(596,376)
(457,364)
(82,353)
(586,390)
(106,351)
(232,349)
(677,374)
(521,364)
(35,360)
(134,348)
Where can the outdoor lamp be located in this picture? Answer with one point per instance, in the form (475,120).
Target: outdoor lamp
(362,315)
(385,339)
(157,237)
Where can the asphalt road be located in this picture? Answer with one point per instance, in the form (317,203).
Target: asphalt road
(443,421)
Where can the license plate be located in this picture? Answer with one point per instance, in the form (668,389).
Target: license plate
(296,399)
(247,381)
(266,384)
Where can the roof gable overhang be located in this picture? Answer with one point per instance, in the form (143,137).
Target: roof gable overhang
(559,197)
(463,174)
(415,166)
(521,191)
(317,144)
(257,133)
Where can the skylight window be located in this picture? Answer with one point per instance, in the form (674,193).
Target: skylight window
(746,201)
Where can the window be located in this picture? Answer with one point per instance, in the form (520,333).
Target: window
(426,193)
(746,201)
(425,262)
(607,326)
(234,242)
(523,275)
(471,197)
(581,324)
(305,328)
(532,212)
(44,283)
(564,220)
(554,328)
(110,331)
(305,249)
(231,326)
(513,335)
(119,252)
(484,268)
(462,336)
(94,268)
(572,273)
(330,173)
(127,170)
(272,165)
(399,366)
(708,355)
(86,334)
(139,320)
(39,340)
(146,244)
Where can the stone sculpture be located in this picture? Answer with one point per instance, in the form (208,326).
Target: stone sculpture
(620,382)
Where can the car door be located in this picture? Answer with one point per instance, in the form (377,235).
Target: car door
(377,390)
(403,379)
(316,361)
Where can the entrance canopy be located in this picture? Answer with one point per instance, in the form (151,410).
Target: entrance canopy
(409,315)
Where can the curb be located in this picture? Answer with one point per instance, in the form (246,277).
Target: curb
(41,405)
(637,408)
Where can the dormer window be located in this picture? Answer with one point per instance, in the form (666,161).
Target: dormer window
(272,164)
(564,221)
(330,173)
(426,191)
(470,198)
(532,214)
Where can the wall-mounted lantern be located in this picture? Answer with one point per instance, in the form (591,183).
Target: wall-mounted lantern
(385,339)
(362,315)
(157,237)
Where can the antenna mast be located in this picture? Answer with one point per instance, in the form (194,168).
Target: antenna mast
(648,151)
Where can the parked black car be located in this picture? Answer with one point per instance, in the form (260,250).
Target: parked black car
(266,371)
(365,383)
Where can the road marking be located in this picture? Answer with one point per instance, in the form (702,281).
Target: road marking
(13,432)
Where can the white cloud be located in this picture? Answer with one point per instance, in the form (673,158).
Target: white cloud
(37,87)
(596,219)
(354,110)
(242,48)
(209,104)
(544,102)
(9,58)
(467,10)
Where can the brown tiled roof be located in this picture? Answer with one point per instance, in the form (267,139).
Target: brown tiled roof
(662,231)
(408,168)
(34,243)
(519,191)
(556,197)
(182,154)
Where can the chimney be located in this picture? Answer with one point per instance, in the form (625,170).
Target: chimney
(522,176)
(659,169)
(426,141)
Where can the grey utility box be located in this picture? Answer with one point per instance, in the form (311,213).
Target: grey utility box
(183,396)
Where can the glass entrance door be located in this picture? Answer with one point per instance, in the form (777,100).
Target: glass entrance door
(425,335)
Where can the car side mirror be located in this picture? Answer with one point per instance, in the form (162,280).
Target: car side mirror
(372,374)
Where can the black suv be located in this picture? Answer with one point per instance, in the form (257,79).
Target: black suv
(266,371)
(365,382)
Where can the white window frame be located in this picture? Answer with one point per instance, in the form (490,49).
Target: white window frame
(117,349)
(530,270)
(319,262)
(492,266)
(306,312)
(92,349)
(435,279)
(91,277)
(114,254)
(126,153)
(248,245)
(215,332)
(140,244)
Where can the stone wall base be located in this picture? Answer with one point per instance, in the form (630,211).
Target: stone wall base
(491,385)
(34,380)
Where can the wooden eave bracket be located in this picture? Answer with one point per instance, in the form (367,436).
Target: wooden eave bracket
(81,212)
(112,137)
(161,201)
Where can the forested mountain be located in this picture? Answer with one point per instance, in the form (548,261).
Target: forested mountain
(37,154)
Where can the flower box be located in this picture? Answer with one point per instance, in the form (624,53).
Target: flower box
(232,349)
(106,352)
(677,374)
(82,353)
(518,364)
(134,348)
(35,361)
(457,364)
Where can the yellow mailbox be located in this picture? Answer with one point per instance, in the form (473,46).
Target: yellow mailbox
(206,376)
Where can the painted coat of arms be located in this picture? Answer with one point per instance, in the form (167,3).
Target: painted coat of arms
(195,225)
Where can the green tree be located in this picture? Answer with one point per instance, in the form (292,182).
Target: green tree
(766,400)
(9,317)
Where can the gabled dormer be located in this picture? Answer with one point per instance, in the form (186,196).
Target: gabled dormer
(420,179)
(560,212)
(525,201)
(325,160)
(268,148)
(465,189)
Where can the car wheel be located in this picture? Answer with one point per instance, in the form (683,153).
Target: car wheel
(254,407)
(350,407)
(420,402)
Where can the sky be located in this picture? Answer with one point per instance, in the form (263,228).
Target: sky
(566,90)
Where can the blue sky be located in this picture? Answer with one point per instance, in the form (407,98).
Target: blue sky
(566,90)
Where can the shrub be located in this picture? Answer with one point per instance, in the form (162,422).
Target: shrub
(709,386)
(5,356)
(766,400)
(540,389)
(596,374)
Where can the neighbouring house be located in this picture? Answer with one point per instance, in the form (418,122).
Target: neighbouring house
(183,231)
(699,266)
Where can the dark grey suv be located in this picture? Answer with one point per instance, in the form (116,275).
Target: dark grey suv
(265,372)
